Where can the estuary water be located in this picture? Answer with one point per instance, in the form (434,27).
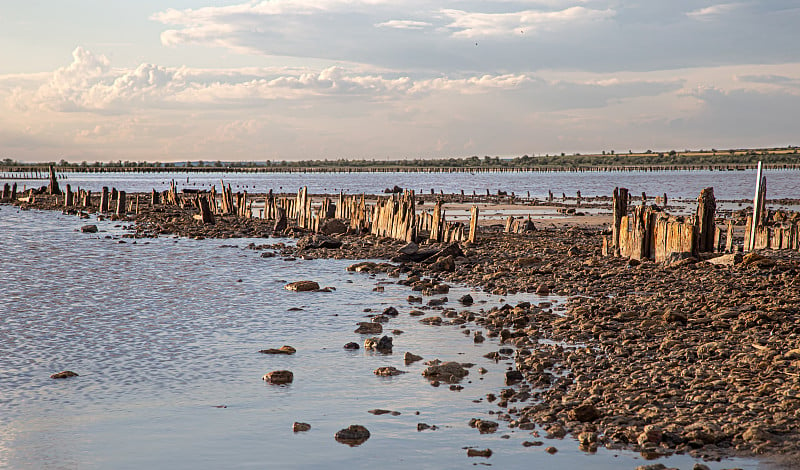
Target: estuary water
(728,185)
(164,335)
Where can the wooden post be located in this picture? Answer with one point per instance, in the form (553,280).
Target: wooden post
(473,224)
(729,238)
(52,187)
(121,208)
(104,200)
(706,211)
(68,196)
(620,203)
(205,211)
(757,205)
(578,199)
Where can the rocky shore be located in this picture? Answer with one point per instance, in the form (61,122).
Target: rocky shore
(701,356)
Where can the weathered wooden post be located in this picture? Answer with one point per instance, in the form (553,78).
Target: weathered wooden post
(729,238)
(104,200)
(52,187)
(473,224)
(757,206)
(68,197)
(14,191)
(706,211)
(578,199)
(620,204)
(87,199)
(6,191)
(205,211)
(121,207)
(154,197)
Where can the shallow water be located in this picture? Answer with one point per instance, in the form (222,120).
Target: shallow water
(677,184)
(163,334)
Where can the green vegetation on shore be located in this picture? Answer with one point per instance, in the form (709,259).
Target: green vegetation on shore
(687,158)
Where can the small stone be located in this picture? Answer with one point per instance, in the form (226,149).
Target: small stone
(466,300)
(388,371)
(584,413)
(285,349)
(408,358)
(532,443)
(551,450)
(652,466)
(479,453)
(302,286)
(542,290)
(449,372)
(391,312)
(353,435)
(64,375)
(351,345)
(300,427)
(89,229)
(279,377)
(513,376)
(383,344)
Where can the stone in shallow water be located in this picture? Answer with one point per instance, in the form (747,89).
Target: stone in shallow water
(300,427)
(279,377)
(65,374)
(479,453)
(285,349)
(388,371)
(353,435)
(302,286)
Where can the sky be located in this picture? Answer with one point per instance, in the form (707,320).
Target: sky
(178,80)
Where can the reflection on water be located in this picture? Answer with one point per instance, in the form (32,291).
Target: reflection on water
(164,335)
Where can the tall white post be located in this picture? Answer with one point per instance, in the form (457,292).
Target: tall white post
(756,210)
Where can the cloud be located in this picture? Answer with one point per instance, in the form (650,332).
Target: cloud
(404,24)
(713,12)
(476,25)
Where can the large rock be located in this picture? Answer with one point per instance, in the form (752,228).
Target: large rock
(302,286)
(449,372)
(89,229)
(316,241)
(444,264)
(279,377)
(584,413)
(384,344)
(353,435)
(369,328)
(388,371)
(333,227)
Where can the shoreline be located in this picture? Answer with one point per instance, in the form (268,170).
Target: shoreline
(692,358)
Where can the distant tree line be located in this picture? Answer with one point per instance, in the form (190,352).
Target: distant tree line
(784,155)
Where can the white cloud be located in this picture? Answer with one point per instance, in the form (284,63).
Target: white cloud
(473,25)
(404,24)
(713,12)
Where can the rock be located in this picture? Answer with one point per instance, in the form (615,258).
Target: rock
(551,450)
(556,431)
(756,434)
(279,377)
(413,299)
(674,316)
(285,349)
(652,466)
(513,376)
(89,229)
(542,289)
(444,264)
(679,259)
(65,374)
(726,260)
(384,344)
(333,227)
(532,443)
(466,300)
(353,435)
(435,321)
(651,435)
(584,413)
(409,358)
(587,439)
(479,453)
(300,427)
(317,241)
(281,223)
(368,327)
(452,250)
(484,426)
(351,345)
(388,371)
(302,286)
(437,302)
(391,311)
(409,249)
(448,372)
(478,337)
(527,261)
(396,190)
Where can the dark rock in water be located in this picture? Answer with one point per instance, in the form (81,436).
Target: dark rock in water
(417,256)
(64,375)
(388,371)
(316,241)
(466,300)
(89,229)
(300,427)
(452,249)
(396,190)
(267,254)
(391,311)
(333,227)
(437,302)
(409,357)
(279,377)
(479,453)
(384,344)
(285,349)
(513,376)
(351,345)
(449,372)
(353,435)
(302,286)
(369,328)
(484,426)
